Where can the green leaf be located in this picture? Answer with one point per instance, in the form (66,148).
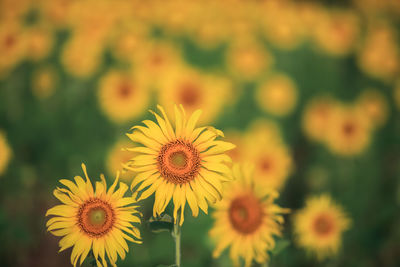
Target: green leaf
(280,246)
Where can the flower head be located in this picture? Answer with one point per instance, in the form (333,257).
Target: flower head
(246,219)
(99,220)
(184,163)
(319,226)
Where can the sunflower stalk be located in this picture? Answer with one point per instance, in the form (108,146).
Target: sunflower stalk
(177,237)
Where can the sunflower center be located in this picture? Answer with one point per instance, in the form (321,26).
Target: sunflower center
(323,224)
(349,128)
(9,41)
(245,214)
(265,164)
(125,90)
(178,162)
(189,94)
(96,217)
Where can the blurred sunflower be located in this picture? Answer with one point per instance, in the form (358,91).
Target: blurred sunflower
(282,24)
(272,161)
(156,61)
(117,156)
(379,55)
(277,95)
(5,153)
(99,220)
(349,131)
(246,219)
(319,226)
(44,82)
(337,31)
(183,164)
(12,46)
(317,116)
(247,59)
(195,90)
(127,39)
(39,42)
(121,96)
(374,106)
(212,30)
(81,56)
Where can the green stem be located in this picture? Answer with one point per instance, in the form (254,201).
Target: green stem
(177,238)
(265,264)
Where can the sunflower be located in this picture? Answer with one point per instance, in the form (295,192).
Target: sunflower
(349,131)
(195,90)
(126,40)
(5,153)
(247,59)
(379,56)
(39,42)
(44,82)
(246,219)
(117,156)
(337,32)
(277,95)
(375,107)
(155,60)
(183,164)
(282,24)
(272,160)
(317,116)
(78,65)
(99,220)
(319,226)
(121,96)
(12,46)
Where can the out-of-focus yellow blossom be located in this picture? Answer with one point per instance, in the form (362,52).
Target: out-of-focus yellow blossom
(195,90)
(122,96)
(128,40)
(117,156)
(58,12)
(44,82)
(282,25)
(349,131)
(211,30)
(379,55)
(337,31)
(270,156)
(375,107)
(93,19)
(317,116)
(81,56)
(13,10)
(277,95)
(155,62)
(39,42)
(12,46)
(319,226)
(5,153)
(247,59)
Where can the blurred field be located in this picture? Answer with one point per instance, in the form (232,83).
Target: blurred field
(322,77)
